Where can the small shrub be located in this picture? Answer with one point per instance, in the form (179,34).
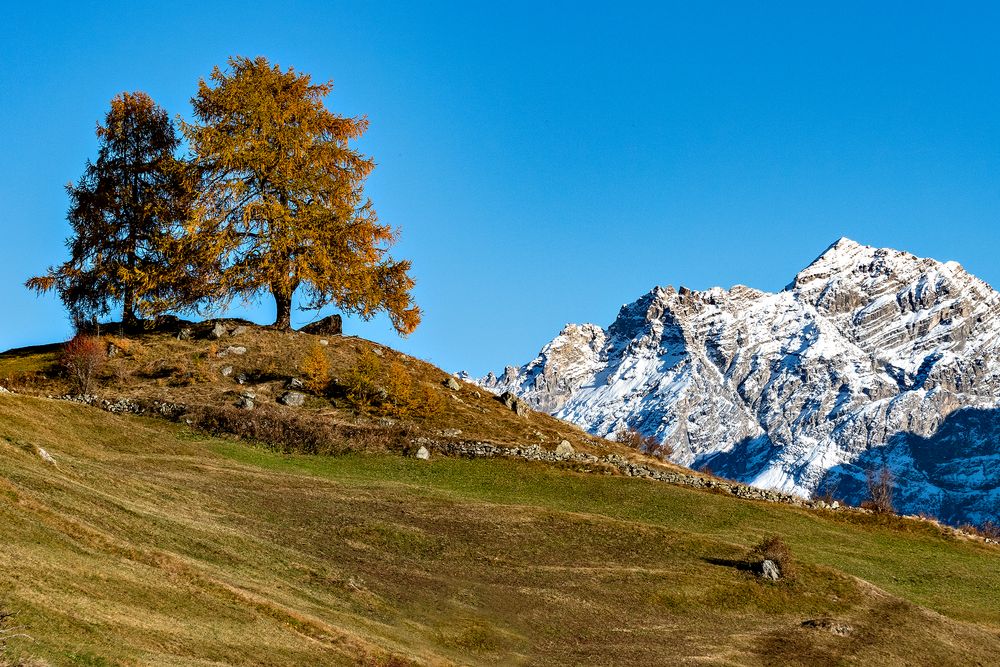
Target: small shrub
(881,485)
(991,530)
(83,358)
(361,384)
(775,549)
(400,398)
(428,403)
(647,444)
(315,368)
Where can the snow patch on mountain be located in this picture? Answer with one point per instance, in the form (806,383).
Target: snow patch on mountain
(870,356)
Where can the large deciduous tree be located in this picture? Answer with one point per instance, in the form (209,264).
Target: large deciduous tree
(281,204)
(123,211)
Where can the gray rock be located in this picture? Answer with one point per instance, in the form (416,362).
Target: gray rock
(514,404)
(452,384)
(217,331)
(240,330)
(238,350)
(377,351)
(184,334)
(565,449)
(450,432)
(248,393)
(245,403)
(242,378)
(226,371)
(328,326)
(423,453)
(295,384)
(45,456)
(770,570)
(324,342)
(292,399)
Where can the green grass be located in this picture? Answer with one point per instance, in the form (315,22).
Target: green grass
(149,544)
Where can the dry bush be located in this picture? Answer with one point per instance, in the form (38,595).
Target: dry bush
(315,369)
(400,398)
(428,403)
(291,433)
(647,444)
(83,358)
(361,384)
(881,486)
(989,530)
(775,549)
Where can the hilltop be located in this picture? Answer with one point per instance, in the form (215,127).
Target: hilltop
(316,537)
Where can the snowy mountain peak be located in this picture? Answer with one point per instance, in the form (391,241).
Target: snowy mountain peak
(867,357)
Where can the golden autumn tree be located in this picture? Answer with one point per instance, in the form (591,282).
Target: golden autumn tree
(281,206)
(123,211)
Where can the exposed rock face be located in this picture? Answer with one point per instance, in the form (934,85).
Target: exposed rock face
(867,358)
(332,325)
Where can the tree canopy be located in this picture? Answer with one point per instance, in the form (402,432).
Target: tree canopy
(122,213)
(280,202)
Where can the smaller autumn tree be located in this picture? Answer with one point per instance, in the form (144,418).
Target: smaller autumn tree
(281,204)
(123,211)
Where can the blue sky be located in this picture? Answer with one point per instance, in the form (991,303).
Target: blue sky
(548,162)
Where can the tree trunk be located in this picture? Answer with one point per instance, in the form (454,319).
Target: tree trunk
(283,300)
(128,308)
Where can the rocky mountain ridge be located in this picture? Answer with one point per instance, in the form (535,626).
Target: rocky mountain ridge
(869,357)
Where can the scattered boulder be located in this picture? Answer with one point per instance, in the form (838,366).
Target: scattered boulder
(423,453)
(770,570)
(240,330)
(238,350)
(324,342)
(295,384)
(45,456)
(242,378)
(5,390)
(514,404)
(452,384)
(248,393)
(245,403)
(565,449)
(292,399)
(377,351)
(217,331)
(450,432)
(226,371)
(184,334)
(332,325)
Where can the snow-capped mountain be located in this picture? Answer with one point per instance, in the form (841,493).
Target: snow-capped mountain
(869,357)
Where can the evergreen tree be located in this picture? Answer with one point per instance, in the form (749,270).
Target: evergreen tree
(281,202)
(122,212)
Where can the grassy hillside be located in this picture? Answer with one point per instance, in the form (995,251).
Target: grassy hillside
(149,542)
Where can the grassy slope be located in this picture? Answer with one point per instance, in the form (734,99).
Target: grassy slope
(149,544)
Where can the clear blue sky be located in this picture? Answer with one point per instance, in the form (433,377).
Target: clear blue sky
(548,162)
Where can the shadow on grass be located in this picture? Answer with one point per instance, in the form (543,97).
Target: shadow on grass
(741,565)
